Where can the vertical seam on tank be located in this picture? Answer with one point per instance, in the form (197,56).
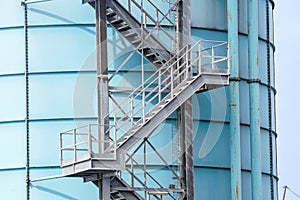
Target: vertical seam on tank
(27,101)
(269,99)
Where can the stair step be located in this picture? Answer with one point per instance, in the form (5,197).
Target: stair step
(150,54)
(157,61)
(117,21)
(123,28)
(131,34)
(110,14)
(114,192)
(136,41)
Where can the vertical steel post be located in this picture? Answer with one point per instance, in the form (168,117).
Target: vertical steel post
(102,87)
(235,146)
(104,187)
(102,70)
(185,114)
(254,99)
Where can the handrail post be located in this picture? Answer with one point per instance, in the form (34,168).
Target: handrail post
(115,137)
(89,141)
(159,85)
(228,56)
(200,58)
(212,57)
(172,82)
(132,110)
(74,140)
(61,148)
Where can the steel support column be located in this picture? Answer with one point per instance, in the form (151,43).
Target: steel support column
(185,115)
(254,94)
(102,88)
(104,188)
(235,146)
(102,70)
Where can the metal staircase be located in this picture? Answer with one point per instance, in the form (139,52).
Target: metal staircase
(147,41)
(197,67)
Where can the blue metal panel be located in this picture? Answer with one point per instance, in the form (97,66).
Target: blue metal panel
(262,61)
(244,102)
(262,28)
(51,96)
(15,18)
(41,133)
(246,185)
(211,105)
(12,58)
(243,56)
(12,104)
(265,151)
(264,112)
(59,48)
(212,183)
(60,12)
(218,156)
(266,194)
(12,184)
(12,145)
(245,150)
(208,14)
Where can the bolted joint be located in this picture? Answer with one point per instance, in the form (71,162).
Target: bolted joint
(235,79)
(255,80)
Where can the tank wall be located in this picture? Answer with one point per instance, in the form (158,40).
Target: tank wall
(62,73)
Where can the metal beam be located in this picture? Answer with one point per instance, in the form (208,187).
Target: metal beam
(104,187)
(254,94)
(102,88)
(235,146)
(102,69)
(185,113)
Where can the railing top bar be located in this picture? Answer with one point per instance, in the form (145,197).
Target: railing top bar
(84,126)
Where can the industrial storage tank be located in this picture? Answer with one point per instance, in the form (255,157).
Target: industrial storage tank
(47,68)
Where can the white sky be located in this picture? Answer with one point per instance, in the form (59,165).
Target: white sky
(287,31)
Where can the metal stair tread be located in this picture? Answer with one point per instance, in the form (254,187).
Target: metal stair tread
(116,21)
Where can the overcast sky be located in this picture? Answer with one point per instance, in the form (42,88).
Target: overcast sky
(287,33)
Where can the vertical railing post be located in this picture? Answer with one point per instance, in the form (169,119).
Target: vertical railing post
(159,85)
(212,57)
(132,110)
(145,166)
(74,140)
(172,82)
(228,57)
(187,62)
(115,137)
(61,148)
(89,141)
(200,58)
(132,172)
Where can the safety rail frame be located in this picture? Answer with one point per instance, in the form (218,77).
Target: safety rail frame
(81,140)
(162,81)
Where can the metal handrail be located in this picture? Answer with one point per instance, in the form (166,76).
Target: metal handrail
(162,74)
(86,145)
